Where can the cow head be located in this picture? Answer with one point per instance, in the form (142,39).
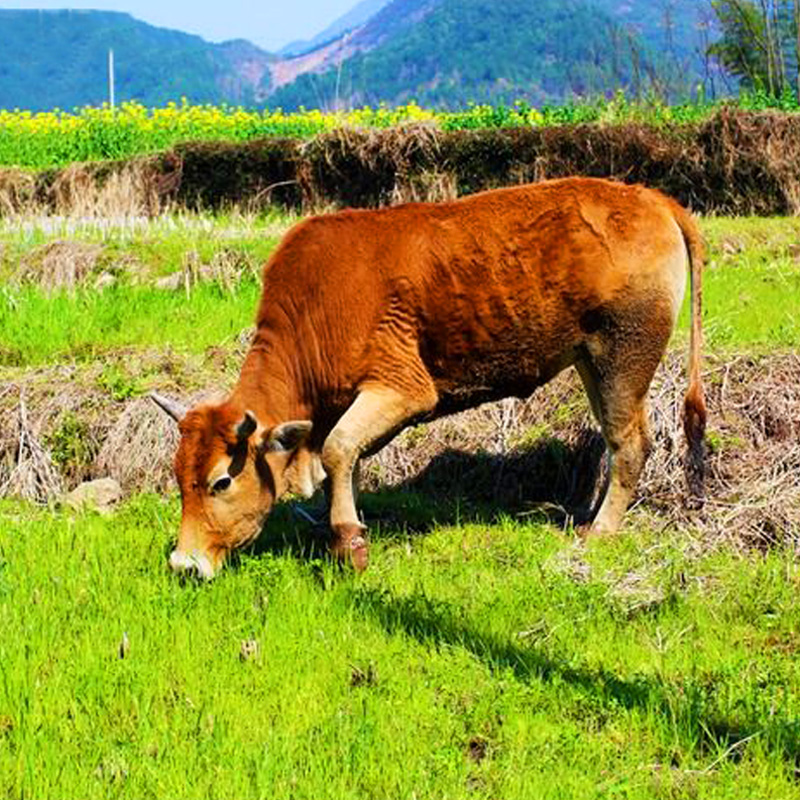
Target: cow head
(230,470)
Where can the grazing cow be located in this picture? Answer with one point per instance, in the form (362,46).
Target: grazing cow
(372,320)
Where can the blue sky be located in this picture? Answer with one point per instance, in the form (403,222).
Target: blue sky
(269,24)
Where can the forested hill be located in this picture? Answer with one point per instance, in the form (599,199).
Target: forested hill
(58,59)
(444,53)
(449,52)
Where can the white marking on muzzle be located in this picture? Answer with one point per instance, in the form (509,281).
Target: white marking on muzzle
(196,563)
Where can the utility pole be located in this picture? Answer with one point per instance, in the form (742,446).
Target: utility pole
(111,77)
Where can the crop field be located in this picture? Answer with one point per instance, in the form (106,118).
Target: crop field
(57,138)
(486,653)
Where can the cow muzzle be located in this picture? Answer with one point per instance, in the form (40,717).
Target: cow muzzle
(194,564)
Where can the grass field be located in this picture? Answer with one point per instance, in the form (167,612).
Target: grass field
(482,655)
(472,661)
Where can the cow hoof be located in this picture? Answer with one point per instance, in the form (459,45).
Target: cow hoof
(593,531)
(350,546)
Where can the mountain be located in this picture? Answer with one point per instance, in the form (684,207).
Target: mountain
(443,53)
(58,59)
(354,18)
(388,24)
(450,52)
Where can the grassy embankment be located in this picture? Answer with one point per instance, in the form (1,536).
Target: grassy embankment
(475,660)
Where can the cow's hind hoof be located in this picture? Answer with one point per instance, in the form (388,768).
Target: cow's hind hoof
(350,546)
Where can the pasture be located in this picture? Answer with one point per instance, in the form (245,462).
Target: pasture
(486,653)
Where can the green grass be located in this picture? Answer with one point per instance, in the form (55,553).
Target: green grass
(486,660)
(37,329)
(751,290)
(482,658)
(751,284)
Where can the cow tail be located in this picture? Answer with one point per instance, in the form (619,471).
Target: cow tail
(694,405)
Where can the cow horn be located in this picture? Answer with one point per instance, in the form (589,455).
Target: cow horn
(172,407)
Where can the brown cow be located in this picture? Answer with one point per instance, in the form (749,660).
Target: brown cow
(372,320)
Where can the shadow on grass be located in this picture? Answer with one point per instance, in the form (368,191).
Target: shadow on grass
(688,705)
(550,482)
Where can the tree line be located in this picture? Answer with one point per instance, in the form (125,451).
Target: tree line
(760,43)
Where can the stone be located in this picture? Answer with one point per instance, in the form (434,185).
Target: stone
(101,495)
(171,282)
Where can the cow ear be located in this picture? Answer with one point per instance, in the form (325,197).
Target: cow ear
(287,436)
(247,427)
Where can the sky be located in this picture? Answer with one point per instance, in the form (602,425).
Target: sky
(270,24)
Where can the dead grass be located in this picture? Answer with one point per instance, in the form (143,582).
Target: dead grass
(17,191)
(30,471)
(147,437)
(59,265)
(131,190)
(542,455)
(374,167)
(140,187)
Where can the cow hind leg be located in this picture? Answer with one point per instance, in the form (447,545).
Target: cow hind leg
(616,372)
(376,414)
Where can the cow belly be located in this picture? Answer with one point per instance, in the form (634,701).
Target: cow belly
(484,377)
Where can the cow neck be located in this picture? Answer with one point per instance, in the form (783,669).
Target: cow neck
(267,384)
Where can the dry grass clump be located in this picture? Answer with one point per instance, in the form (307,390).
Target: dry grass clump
(140,187)
(59,265)
(140,444)
(62,415)
(26,468)
(74,423)
(138,448)
(363,167)
(18,191)
(131,189)
(755,444)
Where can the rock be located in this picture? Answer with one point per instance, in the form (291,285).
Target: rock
(100,495)
(104,280)
(171,282)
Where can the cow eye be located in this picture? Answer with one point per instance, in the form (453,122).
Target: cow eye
(221,484)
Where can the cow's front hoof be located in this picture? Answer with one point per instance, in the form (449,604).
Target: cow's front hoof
(594,530)
(350,546)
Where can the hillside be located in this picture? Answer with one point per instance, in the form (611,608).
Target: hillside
(487,52)
(444,53)
(58,59)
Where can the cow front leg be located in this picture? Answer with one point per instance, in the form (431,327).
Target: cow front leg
(376,414)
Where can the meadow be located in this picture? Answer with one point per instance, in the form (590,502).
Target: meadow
(475,660)
(486,652)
